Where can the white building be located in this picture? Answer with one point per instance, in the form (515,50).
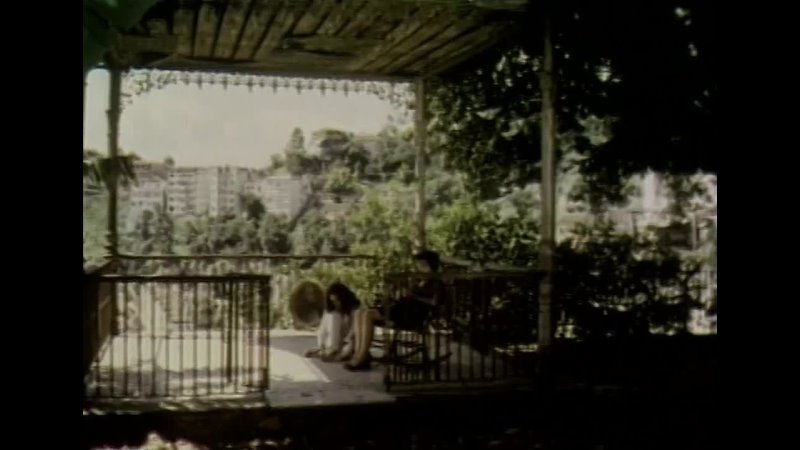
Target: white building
(206,190)
(281,194)
(182,190)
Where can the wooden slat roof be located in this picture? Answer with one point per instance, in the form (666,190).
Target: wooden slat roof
(350,38)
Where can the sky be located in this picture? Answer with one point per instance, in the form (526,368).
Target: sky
(214,126)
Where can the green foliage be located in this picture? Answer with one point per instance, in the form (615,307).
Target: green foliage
(102,19)
(299,163)
(296,160)
(196,234)
(639,94)
(613,284)
(274,234)
(313,233)
(97,169)
(154,233)
(340,149)
(475,231)
(297,142)
(95,230)
(277,162)
(253,207)
(383,225)
(394,151)
(341,181)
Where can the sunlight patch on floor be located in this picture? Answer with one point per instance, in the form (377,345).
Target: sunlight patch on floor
(288,366)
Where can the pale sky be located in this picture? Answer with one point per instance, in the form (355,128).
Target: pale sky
(214,126)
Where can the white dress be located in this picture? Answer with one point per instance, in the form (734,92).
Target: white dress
(335,333)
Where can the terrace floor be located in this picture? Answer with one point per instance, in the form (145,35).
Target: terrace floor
(162,371)
(151,372)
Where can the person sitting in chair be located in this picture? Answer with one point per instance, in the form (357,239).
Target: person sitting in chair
(409,312)
(334,335)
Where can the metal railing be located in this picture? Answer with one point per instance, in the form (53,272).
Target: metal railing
(360,272)
(179,335)
(481,329)
(98,316)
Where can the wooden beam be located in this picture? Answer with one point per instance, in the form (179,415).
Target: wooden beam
(206,32)
(141,44)
(339,16)
(283,22)
(417,48)
(231,28)
(461,50)
(502,5)
(491,5)
(114,112)
(184,30)
(330,44)
(381,25)
(260,17)
(305,61)
(157,27)
(313,17)
(548,193)
(361,19)
(420,133)
(397,36)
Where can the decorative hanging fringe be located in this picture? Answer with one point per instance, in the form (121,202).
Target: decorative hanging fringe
(140,81)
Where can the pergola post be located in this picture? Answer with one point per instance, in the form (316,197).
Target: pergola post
(548,190)
(85,74)
(420,134)
(114,111)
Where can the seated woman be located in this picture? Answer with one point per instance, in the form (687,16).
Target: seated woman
(334,335)
(409,312)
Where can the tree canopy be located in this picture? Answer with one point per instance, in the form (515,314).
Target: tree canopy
(635,91)
(102,19)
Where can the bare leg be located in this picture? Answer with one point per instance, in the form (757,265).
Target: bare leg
(367,330)
(357,333)
(348,344)
(333,341)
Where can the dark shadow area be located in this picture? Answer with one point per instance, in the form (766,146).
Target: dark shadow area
(650,394)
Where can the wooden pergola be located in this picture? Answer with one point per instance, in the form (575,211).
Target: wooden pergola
(379,40)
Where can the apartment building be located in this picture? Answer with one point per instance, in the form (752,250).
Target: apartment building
(191,191)
(281,194)
(206,190)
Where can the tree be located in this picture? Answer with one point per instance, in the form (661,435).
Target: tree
(395,150)
(274,234)
(638,94)
(95,229)
(333,144)
(296,143)
(196,235)
(341,181)
(277,162)
(382,224)
(154,233)
(97,169)
(252,206)
(340,237)
(476,231)
(102,19)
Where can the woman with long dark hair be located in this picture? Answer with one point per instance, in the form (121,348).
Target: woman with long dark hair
(334,340)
